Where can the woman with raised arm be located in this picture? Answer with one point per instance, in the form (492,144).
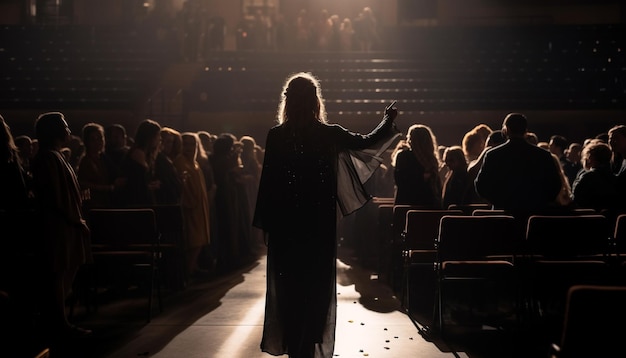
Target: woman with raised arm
(297,208)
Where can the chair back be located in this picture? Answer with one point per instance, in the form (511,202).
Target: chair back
(476,237)
(468,209)
(422,228)
(619,234)
(121,229)
(594,322)
(567,236)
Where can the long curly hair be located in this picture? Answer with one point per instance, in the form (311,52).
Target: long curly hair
(301,100)
(424,146)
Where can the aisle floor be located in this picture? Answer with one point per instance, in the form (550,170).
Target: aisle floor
(223,317)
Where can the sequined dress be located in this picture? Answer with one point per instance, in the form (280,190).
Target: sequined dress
(297,209)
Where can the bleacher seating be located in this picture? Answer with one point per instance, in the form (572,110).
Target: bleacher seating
(77,67)
(439,68)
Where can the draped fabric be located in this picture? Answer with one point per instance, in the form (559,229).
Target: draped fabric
(355,167)
(297,209)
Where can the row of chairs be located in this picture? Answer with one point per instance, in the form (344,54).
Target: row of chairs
(137,246)
(533,262)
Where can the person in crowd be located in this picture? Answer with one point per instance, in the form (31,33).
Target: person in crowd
(15,192)
(346,35)
(595,187)
(63,234)
(137,167)
(457,187)
(532,138)
(617,142)
(96,171)
(563,200)
(26,152)
(116,143)
(558,144)
(518,176)
(15,212)
(494,139)
(474,141)
(231,205)
(194,202)
(416,170)
(169,190)
(204,160)
(297,209)
(572,165)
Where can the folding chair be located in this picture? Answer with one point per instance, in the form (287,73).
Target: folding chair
(169,220)
(593,325)
(419,254)
(124,242)
(476,253)
(396,245)
(563,251)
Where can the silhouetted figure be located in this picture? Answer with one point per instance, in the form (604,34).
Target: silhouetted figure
(96,171)
(15,213)
(595,187)
(416,170)
(137,168)
(518,176)
(457,187)
(194,202)
(170,188)
(297,210)
(63,233)
(617,141)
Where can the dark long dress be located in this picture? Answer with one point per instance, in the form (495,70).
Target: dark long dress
(297,208)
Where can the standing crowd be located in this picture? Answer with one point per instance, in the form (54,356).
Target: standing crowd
(52,181)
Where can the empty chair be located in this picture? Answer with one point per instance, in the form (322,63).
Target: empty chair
(476,261)
(563,251)
(593,324)
(396,263)
(169,219)
(419,254)
(125,246)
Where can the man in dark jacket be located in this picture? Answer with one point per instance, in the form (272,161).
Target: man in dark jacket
(518,176)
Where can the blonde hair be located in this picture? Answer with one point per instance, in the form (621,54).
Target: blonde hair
(424,145)
(301,99)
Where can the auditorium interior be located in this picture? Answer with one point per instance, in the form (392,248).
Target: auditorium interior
(209,65)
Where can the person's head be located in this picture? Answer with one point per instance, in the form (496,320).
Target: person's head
(596,155)
(617,139)
(148,136)
(574,152)
(515,125)
(454,157)
(531,138)
(52,130)
(115,137)
(206,141)
(24,144)
(223,146)
(301,100)
(249,145)
(495,138)
(473,144)
(423,143)
(93,137)
(190,144)
(171,142)
(558,144)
